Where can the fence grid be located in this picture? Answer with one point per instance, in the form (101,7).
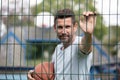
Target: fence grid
(28,38)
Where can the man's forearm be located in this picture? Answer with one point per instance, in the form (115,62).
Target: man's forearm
(86,43)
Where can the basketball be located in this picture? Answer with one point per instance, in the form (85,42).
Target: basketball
(44,71)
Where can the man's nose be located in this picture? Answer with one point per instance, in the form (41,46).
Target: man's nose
(64,30)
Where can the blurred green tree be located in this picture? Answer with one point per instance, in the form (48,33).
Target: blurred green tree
(112,39)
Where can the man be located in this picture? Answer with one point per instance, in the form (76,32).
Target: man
(72,58)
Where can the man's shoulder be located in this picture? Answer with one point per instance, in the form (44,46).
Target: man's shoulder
(77,39)
(59,45)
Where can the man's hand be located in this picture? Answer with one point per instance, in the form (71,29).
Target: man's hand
(88,22)
(30,75)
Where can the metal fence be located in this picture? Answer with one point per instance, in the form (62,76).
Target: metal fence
(27,36)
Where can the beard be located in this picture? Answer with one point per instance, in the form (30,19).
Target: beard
(64,38)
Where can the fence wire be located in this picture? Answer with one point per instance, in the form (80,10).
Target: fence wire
(28,38)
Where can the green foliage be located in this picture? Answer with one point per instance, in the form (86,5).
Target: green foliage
(100,29)
(112,39)
(36,50)
(113,35)
(116,32)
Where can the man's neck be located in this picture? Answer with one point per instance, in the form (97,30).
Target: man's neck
(65,45)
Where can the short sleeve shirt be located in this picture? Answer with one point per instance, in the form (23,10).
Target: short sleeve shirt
(71,63)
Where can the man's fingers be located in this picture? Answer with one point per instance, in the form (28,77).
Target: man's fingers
(29,75)
(88,17)
(86,14)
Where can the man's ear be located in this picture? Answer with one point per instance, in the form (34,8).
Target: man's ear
(55,29)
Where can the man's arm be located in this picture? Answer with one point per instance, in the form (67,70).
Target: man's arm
(87,25)
(86,44)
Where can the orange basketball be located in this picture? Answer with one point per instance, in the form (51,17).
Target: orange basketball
(44,71)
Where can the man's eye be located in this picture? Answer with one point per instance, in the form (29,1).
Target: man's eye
(59,27)
(67,26)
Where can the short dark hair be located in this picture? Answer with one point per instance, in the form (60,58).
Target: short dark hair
(65,13)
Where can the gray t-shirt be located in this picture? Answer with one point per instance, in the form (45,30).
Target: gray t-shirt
(71,63)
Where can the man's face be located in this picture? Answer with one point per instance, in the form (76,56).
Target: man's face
(65,29)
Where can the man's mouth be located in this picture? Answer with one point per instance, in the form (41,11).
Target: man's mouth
(64,37)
